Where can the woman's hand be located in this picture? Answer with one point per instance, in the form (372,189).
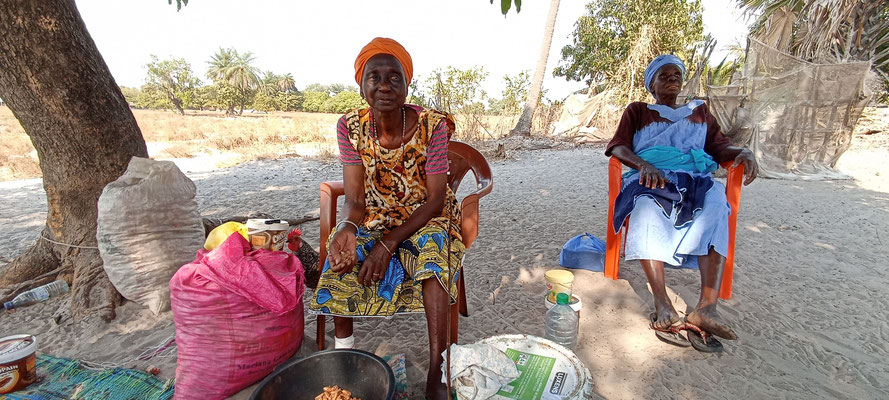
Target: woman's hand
(651,177)
(375,264)
(341,254)
(750,167)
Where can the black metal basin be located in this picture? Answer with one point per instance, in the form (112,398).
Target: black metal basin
(367,376)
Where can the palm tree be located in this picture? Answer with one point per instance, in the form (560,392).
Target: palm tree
(523,127)
(229,67)
(220,64)
(286,83)
(269,83)
(243,76)
(837,30)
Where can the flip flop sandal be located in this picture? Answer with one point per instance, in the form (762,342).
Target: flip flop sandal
(670,335)
(703,341)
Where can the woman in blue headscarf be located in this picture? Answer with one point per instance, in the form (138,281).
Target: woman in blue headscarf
(680,213)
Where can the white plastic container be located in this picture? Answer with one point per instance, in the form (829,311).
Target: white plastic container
(540,360)
(18,362)
(269,234)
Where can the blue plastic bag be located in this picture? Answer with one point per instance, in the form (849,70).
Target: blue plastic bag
(583,252)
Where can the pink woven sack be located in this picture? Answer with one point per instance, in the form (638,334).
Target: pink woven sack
(238,315)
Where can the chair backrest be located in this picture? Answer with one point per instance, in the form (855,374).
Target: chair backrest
(464,158)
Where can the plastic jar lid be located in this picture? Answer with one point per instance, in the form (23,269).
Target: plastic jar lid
(559,276)
(17,347)
(268,224)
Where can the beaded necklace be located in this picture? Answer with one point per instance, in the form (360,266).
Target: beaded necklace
(399,168)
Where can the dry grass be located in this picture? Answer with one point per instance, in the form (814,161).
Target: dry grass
(243,138)
(170,135)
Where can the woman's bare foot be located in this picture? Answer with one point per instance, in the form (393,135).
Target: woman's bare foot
(709,320)
(666,315)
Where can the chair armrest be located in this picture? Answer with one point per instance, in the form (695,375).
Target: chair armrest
(469,219)
(330,191)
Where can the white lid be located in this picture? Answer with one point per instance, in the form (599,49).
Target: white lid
(575,303)
(17,347)
(267,224)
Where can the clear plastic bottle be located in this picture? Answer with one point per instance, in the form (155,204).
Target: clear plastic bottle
(37,295)
(561,322)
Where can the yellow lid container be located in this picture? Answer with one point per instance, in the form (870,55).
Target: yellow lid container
(558,281)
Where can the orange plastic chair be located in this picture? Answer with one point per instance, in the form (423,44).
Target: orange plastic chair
(462,158)
(613,240)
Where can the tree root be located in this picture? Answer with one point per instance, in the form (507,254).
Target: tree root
(34,262)
(92,290)
(9,293)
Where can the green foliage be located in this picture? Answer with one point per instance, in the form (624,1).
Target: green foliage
(130,94)
(314,101)
(288,101)
(265,102)
(173,78)
(179,4)
(343,102)
(152,97)
(455,90)
(515,93)
(505,5)
(235,69)
(332,89)
(223,96)
(602,39)
(416,95)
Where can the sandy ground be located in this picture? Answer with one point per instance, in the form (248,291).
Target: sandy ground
(810,297)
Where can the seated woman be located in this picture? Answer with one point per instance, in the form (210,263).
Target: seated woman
(679,212)
(398,247)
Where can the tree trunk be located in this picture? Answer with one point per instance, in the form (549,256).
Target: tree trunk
(57,85)
(243,95)
(177,103)
(523,127)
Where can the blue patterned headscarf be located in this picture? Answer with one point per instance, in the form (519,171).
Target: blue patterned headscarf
(657,63)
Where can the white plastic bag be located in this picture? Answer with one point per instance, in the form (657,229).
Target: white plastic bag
(478,371)
(148,227)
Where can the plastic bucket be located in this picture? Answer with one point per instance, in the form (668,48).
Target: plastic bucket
(269,234)
(364,374)
(548,371)
(18,362)
(558,281)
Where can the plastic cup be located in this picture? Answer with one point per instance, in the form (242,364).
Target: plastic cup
(558,281)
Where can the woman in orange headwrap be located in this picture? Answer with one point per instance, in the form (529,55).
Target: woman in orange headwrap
(398,248)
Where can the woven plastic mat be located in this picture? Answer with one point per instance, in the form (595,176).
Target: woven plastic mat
(64,378)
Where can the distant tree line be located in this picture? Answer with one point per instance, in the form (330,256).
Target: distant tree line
(235,84)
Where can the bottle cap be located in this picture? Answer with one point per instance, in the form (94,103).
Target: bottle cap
(8,305)
(562,298)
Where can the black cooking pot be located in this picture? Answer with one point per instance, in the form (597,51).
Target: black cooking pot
(367,376)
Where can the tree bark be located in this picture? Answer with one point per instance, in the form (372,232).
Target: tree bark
(523,127)
(177,103)
(57,85)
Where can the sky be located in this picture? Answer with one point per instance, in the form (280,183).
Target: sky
(317,41)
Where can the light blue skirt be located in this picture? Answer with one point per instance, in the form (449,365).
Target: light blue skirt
(652,235)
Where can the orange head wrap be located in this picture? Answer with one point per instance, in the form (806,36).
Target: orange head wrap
(384,46)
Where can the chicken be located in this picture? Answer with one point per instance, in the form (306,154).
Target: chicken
(307,256)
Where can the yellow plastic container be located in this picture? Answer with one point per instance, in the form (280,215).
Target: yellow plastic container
(222,232)
(558,281)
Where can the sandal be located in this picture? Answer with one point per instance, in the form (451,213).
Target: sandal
(703,341)
(670,335)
